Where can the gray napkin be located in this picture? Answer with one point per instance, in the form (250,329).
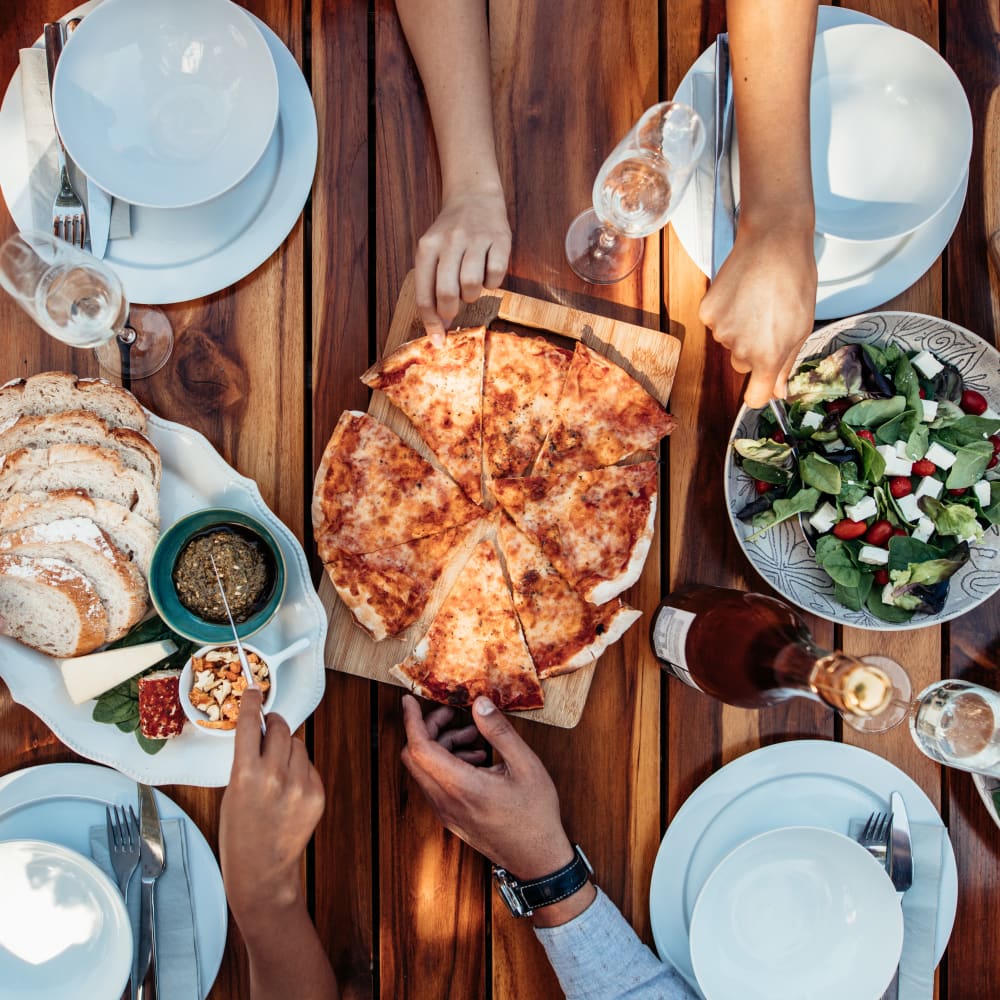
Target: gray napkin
(920,907)
(177,972)
(40,140)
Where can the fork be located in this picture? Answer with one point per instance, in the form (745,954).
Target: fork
(69,220)
(123,845)
(874,835)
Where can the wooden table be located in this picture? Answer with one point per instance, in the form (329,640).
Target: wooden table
(265,367)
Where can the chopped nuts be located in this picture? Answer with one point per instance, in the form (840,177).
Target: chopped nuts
(219,682)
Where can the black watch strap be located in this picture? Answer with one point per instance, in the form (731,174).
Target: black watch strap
(524,897)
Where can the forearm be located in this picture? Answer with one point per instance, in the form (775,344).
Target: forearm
(771,47)
(449,40)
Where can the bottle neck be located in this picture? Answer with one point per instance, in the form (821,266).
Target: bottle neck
(844,682)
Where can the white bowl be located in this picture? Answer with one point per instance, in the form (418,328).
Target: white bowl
(166,103)
(891,132)
(62,921)
(796,912)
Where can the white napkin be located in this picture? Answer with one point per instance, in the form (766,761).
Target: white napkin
(177,972)
(41,143)
(920,906)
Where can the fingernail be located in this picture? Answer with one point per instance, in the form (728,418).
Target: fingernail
(484,706)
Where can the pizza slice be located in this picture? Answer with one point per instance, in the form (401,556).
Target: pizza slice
(603,416)
(372,491)
(594,526)
(562,630)
(387,590)
(474,645)
(521,385)
(441,390)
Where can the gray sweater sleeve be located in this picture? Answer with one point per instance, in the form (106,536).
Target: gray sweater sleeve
(597,956)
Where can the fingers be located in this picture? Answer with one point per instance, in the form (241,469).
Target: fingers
(437,720)
(760,388)
(500,734)
(425,281)
(247,738)
(455,739)
(497,262)
(276,747)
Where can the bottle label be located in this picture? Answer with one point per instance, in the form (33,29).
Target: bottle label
(670,632)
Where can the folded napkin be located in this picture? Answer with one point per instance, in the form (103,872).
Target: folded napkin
(41,143)
(177,973)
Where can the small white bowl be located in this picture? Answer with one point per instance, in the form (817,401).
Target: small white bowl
(273,661)
(891,132)
(166,103)
(795,912)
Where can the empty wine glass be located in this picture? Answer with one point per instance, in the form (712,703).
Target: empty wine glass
(636,191)
(79,300)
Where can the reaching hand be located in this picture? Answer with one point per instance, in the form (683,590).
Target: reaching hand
(762,304)
(466,250)
(509,812)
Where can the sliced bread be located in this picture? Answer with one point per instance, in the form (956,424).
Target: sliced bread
(53,392)
(83,427)
(133,535)
(84,546)
(47,604)
(99,471)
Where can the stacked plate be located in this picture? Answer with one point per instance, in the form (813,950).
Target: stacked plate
(891,135)
(196,115)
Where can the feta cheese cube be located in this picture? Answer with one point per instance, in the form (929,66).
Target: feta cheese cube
(940,456)
(873,555)
(982,491)
(923,530)
(909,507)
(811,419)
(926,364)
(929,487)
(894,465)
(887,593)
(900,447)
(835,445)
(824,518)
(865,508)
(930,409)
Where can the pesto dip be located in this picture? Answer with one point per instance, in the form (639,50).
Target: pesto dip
(244,565)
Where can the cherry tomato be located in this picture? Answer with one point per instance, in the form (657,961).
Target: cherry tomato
(959,493)
(900,486)
(838,406)
(847,529)
(878,533)
(923,395)
(924,467)
(899,533)
(778,436)
(881,577)
(993,460)
(867,435)
(995,441)
(973,402)
(760,486)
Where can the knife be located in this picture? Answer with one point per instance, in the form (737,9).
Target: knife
(899,865)
(152,861)
(723,201)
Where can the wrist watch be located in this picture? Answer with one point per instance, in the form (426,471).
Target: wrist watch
(524,896)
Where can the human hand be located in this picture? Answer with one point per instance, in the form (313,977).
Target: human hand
(466,250)
(762,305)
(269,811)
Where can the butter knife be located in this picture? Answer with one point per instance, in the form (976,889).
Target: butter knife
(723,201)
(152,860)
(899,865)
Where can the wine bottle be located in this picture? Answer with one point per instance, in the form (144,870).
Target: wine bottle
(752,651)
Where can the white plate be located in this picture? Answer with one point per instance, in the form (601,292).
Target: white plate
(64,931)
(194,476)
(986,785)
(178,254)
(796,783)
(853,277)
(61,802)
(783,558)
(796,912)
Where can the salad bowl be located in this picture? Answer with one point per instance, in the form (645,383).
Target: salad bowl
(960,572)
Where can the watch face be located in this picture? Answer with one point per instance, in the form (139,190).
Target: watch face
(510,895)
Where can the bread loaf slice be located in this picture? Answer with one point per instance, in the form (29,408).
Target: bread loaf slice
(84,427)
(133,535)
(99,471)
(84,546)
(50,606)
(53,392)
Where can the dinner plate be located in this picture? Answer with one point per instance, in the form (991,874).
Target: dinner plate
(796,783)
(178,254)
(782,556)
(61,802)
(853,276)
(194,476)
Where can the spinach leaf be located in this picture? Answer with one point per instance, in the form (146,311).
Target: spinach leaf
(763,450)
(766,473)
(802,502)
(948,414)
(967,430)
(886,612)
(898,428)
(905,550)
(873,412)
(150,746)
(814,470)
(854,597)
(872,463)
(992,512)
(970,464)
(838,561)
(917,442)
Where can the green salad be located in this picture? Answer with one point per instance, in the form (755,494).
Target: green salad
(894,473)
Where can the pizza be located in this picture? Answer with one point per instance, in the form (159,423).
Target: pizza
(522,383)
(475,646)
(440,389)
(594,526)
(604,415)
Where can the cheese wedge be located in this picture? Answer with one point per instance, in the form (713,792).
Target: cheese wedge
(88,676)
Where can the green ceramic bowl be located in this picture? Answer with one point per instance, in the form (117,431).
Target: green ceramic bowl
(163,593)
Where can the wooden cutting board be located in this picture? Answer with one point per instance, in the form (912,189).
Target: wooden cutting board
(647,355)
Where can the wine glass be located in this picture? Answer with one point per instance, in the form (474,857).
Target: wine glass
(79,300)
(636,191)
